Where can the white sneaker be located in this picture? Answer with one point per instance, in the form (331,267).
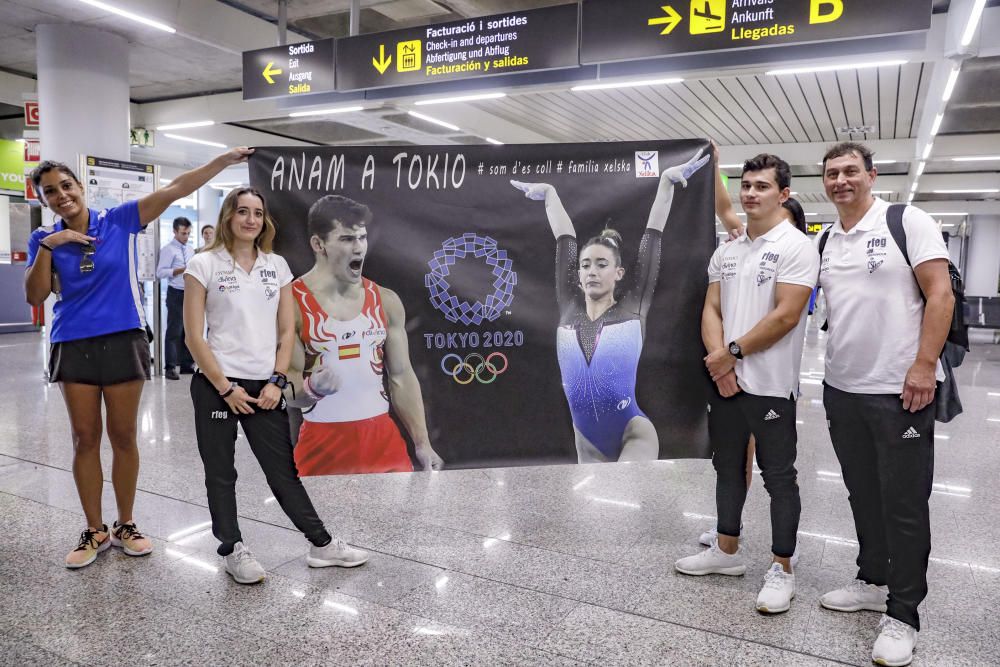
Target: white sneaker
(777,592)
(713,560)
(895,643)
(712,535)
(242,566)
(338,553)
(856,596)
(709,536)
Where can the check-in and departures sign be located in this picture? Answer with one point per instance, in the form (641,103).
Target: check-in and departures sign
(615,30)
(289,70)
(486,46)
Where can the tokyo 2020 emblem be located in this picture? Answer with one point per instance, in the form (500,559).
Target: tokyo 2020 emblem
(480,247)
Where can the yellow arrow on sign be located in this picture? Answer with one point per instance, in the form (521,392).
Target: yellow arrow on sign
(669,21)
(268,72)
(382,64)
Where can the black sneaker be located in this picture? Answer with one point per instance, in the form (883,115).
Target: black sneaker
(171,373)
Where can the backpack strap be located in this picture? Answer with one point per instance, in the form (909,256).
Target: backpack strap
(894,219)
(822,241)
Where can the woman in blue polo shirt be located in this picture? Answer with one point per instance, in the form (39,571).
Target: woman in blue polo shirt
(99,348)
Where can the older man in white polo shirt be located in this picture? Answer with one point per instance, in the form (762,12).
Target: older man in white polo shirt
(753,326)
(887,325)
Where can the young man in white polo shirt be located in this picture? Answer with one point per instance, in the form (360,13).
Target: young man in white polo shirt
(887,325)
(753,326)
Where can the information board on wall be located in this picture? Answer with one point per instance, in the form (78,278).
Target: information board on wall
(286,71)
(613,30)
(108,183)
(485,46)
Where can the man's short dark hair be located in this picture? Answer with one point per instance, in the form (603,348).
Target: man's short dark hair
(848,147)
(181,222)
(782,172)
(204,227)
(328,210)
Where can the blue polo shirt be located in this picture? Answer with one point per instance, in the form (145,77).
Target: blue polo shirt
(107,299)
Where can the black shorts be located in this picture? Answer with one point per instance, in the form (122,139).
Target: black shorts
(113,358)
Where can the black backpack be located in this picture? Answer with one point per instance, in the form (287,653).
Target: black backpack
(958,334)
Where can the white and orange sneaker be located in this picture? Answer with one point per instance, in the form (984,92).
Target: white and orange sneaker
(131,541)
(92,542)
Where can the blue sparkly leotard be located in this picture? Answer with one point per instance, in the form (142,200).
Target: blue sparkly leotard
(598,359)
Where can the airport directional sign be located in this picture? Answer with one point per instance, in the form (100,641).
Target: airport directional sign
(286,71)
(537,39)
(613,30)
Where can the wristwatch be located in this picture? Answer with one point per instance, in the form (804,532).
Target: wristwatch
(280,380)
(736,350)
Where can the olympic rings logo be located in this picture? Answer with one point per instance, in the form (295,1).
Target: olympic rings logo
(463,372)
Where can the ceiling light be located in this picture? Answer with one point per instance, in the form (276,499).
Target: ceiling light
(429,119)
(967,191)
(184,126)
(948,214)
(461,98)
(494,141)
(323,112)
(129,15)
(811,214)
(927,151)
(937,124)
(224,186)
(626,84)
(882,192)
(949,87)
(195,141)
(913,188)
(974,17)
(730,166)
(977,158)
(835,68)
(884,161)
(920,169)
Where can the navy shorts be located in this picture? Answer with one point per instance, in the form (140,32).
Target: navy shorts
(105,360)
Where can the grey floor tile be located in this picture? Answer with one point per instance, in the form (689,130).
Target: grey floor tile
(481,604)
(383,579)
(608,637)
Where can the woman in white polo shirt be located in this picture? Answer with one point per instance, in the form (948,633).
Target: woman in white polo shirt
(243,292)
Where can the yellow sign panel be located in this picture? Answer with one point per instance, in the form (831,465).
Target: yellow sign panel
(708,16)
(408,57)
(825,11)
(669,22)
(814,228)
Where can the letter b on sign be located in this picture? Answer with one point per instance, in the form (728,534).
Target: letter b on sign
(825,11)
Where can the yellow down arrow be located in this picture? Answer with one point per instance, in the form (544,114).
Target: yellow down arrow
(669,22)
(268,72)
(382,64)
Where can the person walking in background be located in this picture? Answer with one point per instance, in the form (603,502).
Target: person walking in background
(174,258)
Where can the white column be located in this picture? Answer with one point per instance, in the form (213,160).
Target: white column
(983,270)
(209,203)
(83,93)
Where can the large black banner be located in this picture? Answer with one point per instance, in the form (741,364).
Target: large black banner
(529,347)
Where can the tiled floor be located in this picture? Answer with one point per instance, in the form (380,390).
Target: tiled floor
(562,565)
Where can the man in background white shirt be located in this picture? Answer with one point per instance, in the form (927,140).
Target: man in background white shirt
(174,258)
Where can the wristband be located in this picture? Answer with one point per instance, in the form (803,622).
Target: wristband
(307,388)
(46,246)
(232,388)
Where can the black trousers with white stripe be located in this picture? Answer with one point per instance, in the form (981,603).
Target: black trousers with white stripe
(771,421)
(268,435)
(887,458)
